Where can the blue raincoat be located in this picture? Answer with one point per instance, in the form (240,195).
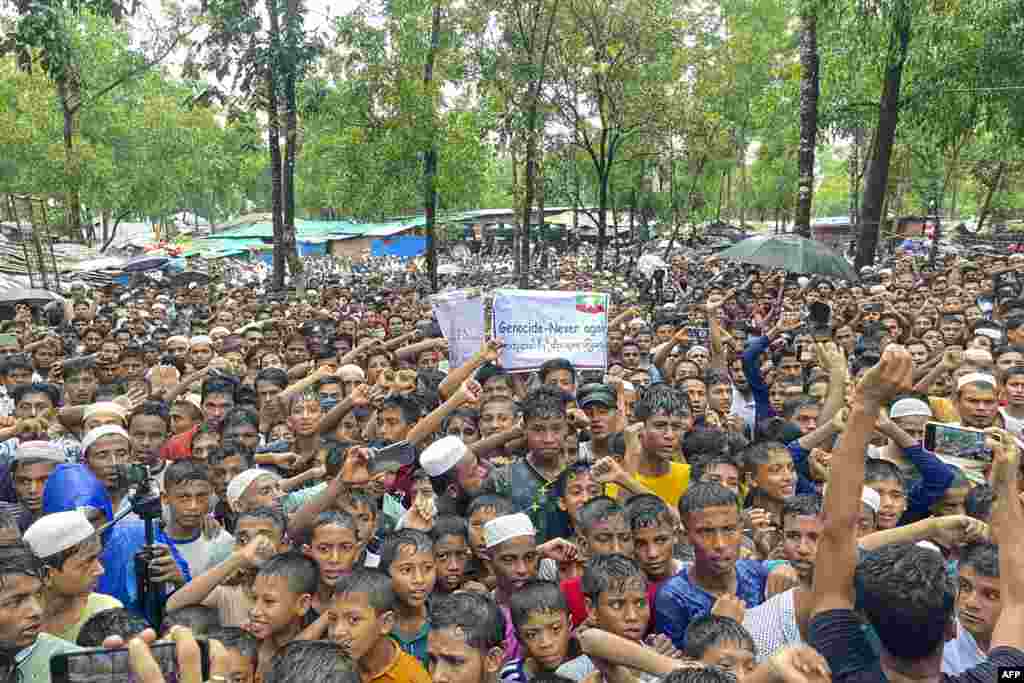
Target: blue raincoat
(74,486)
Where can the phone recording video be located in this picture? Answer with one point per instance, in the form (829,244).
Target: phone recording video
(111,666)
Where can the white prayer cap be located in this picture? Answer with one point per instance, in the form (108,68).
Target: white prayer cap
(98,433)
(442,455)
(972,377)
(220,329)
(906,407)
(803,281)
(56,532)
(39,450)
(200,339)
(697,347)
(104,408)
(990,332)
(351,373)
(870,497)
(501,529)
(242,481)
(176,338)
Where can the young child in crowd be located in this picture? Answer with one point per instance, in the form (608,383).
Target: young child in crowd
(544,628)
(363,509)
(655,533)
(602,529)
(282,594)
(242,651)
(334,546)
(482,510)
(362,617)
(720,641)
(407,556)
(451,552)
(228,587)
(465,641)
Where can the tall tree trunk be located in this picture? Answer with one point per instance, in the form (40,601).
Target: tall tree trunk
(291,142)
(871,215)
(602,215)
(987,205)
(276,189)
(68,93)
(430,159)
(809,91)
(528,191)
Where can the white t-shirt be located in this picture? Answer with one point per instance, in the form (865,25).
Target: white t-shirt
(204,554)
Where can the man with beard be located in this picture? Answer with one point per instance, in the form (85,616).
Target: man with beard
(455,472)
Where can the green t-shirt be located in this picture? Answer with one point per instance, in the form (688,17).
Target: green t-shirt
(34,665)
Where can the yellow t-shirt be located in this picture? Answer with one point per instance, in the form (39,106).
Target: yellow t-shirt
(943,409)
(669,487)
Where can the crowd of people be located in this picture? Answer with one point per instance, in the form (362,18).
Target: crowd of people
(752,490)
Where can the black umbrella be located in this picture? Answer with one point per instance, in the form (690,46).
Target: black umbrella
(188,277)
(791,253)
(144,263)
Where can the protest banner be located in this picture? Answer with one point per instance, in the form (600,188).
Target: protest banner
(538,325)
(460,315)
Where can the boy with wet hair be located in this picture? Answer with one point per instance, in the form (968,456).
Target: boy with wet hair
(721,642)
(226,463)
(407,556)
(544,627)
(603,530)
(527,481)
(363,508)
(312,661)
(361,619)
(282,594)
(655,534)
(242,650)
(665,413)
(186,498)
(465,641)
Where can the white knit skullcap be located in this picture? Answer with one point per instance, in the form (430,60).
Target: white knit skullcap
(906,407)
(200,339)
(220,328)
(972,377)
(98,433)
(696,348)
(56,532)
(39,450)
(177,338)
(242,481)
(501,529)
(990,332)
(104,408)
(443,455)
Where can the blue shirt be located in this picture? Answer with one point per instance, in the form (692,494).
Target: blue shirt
(679,600)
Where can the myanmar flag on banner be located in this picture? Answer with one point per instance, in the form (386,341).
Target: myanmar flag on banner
(590,303)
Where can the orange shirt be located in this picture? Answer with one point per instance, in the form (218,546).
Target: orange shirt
(403,668)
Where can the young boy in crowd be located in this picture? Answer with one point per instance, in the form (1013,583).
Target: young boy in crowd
(363,509)
(186,497)
(451,552)
(242,650)
(655,534)
(407,556)
(482,510)
(722,642)
(228,587)
(69,549)
(334,546)
(225,464)
(282,594)
(665,414)
(574,487)
(362,615)
(773,473)
(603,529)
(465,641)
(544,627)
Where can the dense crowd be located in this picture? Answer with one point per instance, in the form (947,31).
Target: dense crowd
(778,477)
